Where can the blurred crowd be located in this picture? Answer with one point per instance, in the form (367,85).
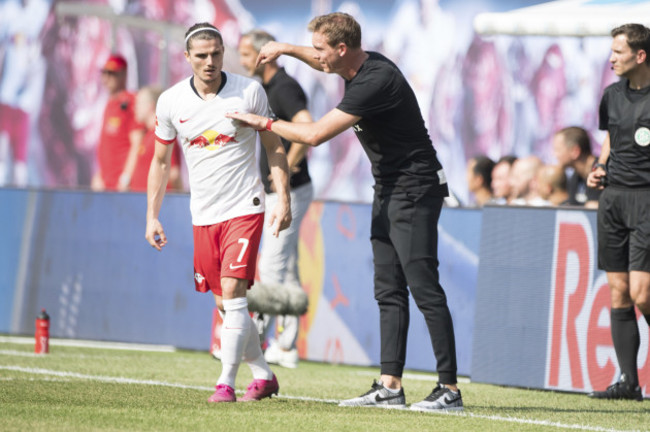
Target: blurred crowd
(528,181)
(127,140)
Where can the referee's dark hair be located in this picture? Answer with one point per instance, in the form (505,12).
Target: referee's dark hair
(638,37)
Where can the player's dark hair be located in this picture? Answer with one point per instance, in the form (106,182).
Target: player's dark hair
(338,27)
(210,32)
(638,37)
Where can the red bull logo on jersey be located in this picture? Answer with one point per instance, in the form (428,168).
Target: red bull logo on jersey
(212,140)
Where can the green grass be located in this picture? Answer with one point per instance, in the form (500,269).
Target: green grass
(88,389)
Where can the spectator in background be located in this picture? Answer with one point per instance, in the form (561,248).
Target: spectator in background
(145,114)
(523,183)
(552,185)
(279,256)
(121,135)
(501,180)
(572,148)
(479,179)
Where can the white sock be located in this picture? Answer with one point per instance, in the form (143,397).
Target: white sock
(234,336)
(254,357)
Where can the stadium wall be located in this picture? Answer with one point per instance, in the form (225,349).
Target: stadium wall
(544,315)
(83,257)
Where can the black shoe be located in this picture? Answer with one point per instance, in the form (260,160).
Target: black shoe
(620,390)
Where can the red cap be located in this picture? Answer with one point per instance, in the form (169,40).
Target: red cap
(115,63)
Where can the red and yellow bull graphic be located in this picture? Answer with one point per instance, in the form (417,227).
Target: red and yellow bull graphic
(212,140)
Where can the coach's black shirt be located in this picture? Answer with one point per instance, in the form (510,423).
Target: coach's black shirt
(391,129)
(286,98)
(625,113)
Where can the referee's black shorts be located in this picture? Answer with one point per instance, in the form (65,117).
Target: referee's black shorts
(624,230)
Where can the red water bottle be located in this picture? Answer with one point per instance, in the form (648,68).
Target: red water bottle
(42,345)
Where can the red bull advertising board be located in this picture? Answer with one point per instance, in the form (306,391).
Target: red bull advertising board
(543,307)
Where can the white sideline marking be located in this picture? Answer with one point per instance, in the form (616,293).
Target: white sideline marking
(535,422)
(19,353)
(91,344)
(122,380)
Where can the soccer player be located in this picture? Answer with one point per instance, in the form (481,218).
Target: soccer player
(624,205)
(381,107)
(227,197)
(279,256)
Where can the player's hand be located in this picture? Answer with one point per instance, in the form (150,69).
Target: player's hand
(269,52)
(254,121)
(155,234)
(280,217)
(594,180)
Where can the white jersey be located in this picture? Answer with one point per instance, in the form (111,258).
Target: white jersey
(220,155)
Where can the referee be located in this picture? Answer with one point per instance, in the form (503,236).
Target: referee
(624,205)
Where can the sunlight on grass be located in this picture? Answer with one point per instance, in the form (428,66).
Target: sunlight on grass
(75,388)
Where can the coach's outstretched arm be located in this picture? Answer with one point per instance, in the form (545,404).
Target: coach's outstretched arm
(272,50)
(156,186)
(313,134)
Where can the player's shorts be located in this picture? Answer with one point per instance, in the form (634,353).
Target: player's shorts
(226,249)
(624,230)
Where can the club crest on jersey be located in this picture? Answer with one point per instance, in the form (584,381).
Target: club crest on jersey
(212,140)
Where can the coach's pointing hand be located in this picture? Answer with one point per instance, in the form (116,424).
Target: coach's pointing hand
(255,121)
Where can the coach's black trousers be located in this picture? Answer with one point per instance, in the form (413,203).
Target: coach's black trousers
(404,236)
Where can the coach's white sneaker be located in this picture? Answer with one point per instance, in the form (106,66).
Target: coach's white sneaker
(378,396)
(441,399)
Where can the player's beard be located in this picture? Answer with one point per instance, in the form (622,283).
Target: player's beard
(210,80)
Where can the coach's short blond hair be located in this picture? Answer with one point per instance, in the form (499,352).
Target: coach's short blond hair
(338,27)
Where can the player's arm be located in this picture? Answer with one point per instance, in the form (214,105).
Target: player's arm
(175,180)
(156,186)
(136,137)
(281,214)
(312,133)
(595,176)
(272,50)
